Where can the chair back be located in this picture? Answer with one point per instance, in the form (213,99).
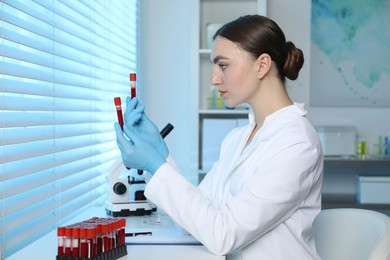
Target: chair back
(352,234)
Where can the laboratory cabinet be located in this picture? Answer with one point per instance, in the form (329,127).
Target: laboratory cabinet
(215,119)
(351,182)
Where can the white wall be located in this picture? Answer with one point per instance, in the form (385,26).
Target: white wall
(168,42)
(165,75)
(294,18)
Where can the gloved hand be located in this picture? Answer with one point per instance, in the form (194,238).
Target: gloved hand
(136,119)
(137,153)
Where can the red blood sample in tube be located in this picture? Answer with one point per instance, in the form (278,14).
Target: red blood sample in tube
(122,232)
(99,239)
(117,233)
(111,234)
(75,241)
(105,237)
(61,238)
(84,250)
(92,233)
(118,106)
(68,241)
(133,78)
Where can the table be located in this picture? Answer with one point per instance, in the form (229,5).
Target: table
(340,188)
(167,241)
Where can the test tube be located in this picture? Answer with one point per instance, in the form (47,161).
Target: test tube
(84,250)
(122,232)
(133,78)
(68,241)
(118,105)
(106,243)
(75,241)
(99,237)
(111,234)
(61,238)
(92,233)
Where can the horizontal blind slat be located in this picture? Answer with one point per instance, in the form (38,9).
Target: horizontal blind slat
(52,62)
(24,151)
(26,118)
(17,206)
(60,77)
(31,134)
(14,169)
(28,183)
(49,89)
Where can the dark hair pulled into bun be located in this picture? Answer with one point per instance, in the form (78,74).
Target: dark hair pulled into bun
(294,61)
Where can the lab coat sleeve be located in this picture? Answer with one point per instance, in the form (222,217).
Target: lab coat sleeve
(267,198)
(172,162)
(169,160)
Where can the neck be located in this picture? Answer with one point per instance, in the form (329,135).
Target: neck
(270,97)
(251,135)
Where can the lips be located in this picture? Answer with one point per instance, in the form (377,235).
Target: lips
(222,93)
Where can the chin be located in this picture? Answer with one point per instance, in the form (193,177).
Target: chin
(229,104)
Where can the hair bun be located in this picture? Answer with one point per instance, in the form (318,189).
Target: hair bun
(294,61)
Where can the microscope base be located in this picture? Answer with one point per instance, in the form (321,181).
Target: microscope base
(141,208)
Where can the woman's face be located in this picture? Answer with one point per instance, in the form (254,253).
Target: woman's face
(234,72)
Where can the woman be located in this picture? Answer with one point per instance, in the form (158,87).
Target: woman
(261,197)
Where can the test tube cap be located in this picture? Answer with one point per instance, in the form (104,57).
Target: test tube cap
(68,231)
(133,77)
(60,231)
(75,232)
(83,232)
(117,101)
(91,232)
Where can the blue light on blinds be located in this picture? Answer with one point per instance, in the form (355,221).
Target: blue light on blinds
(62,63)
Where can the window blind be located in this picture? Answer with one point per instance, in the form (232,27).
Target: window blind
(62,63)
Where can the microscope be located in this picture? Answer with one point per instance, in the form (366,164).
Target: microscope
(126,189)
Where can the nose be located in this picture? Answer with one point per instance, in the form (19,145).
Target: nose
(215,78)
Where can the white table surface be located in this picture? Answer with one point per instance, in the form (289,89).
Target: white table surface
(166,242)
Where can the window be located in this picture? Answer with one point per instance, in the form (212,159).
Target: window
(62,64)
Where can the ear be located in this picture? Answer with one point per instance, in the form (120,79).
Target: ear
(263,64)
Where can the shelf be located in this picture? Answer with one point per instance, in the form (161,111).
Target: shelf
(224,112)
(204,51)
(370,161)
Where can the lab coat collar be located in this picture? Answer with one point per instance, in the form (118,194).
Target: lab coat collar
(297,109)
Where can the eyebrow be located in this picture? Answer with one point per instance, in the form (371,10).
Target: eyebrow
(216,59)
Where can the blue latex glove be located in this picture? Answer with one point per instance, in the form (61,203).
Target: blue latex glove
(136,153)
(136,119)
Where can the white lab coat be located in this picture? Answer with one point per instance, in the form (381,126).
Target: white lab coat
(255,203)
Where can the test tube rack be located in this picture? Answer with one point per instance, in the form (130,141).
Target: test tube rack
(92,239)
